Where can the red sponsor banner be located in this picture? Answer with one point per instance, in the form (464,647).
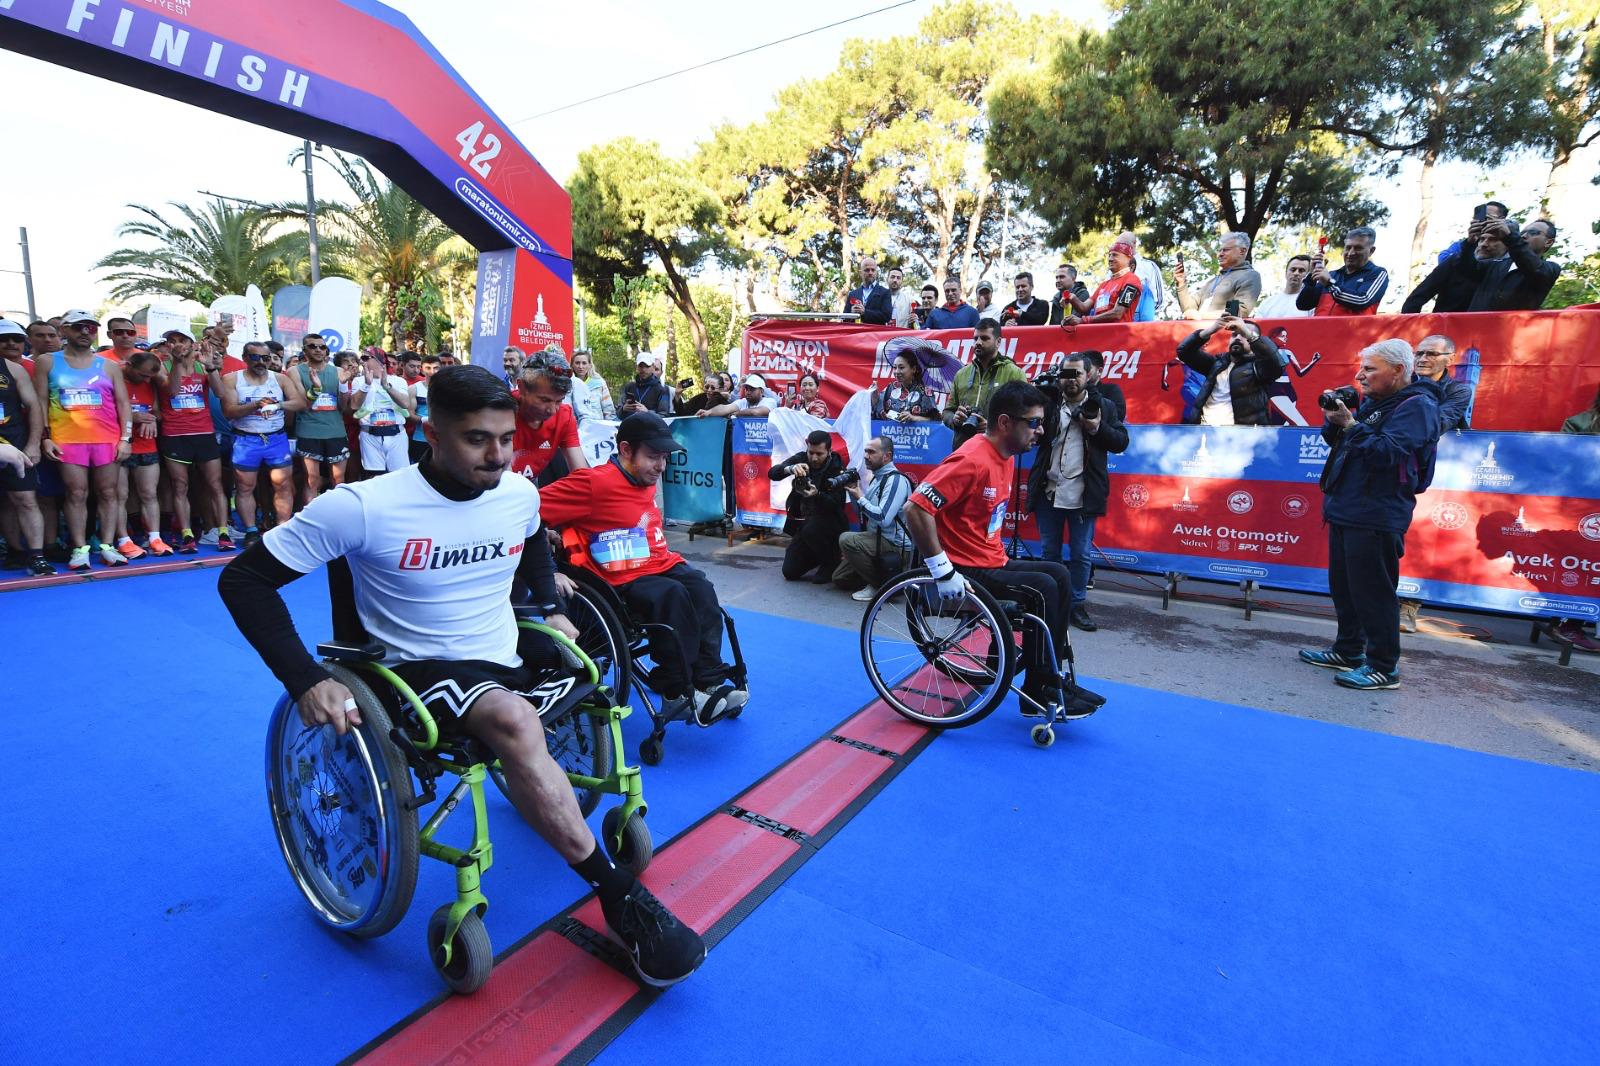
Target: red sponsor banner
(1532,369)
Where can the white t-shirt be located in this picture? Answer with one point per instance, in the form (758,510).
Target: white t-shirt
(1218,410)
(1280,305)
(432,575)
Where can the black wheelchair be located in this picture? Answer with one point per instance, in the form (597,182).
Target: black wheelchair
(345,808)
(948,664)
(619,645)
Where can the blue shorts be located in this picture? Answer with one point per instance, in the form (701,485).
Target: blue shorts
(251,451)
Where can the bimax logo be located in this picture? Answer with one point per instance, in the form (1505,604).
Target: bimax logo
(420,554)
(414,556)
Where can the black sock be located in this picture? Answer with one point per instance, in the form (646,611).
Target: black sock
(608,882)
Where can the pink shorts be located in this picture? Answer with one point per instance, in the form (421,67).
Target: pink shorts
(88,455)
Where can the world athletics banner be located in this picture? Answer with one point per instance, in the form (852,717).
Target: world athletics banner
(1511,523)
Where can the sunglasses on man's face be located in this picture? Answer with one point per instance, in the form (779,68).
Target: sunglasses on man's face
(124,332)
(316,347)
(85,325)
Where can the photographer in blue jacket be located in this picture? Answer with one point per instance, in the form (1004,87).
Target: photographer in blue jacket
(1382,458)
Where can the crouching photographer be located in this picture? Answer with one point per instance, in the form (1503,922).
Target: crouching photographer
(881,545)
(1382,458)
(1069,484)
(816,509)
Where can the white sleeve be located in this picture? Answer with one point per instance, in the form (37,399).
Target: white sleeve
(534,522)
(332,526)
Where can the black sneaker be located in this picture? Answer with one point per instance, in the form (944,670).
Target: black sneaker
(40,567)
(662,949)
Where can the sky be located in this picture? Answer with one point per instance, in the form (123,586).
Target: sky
(127,146)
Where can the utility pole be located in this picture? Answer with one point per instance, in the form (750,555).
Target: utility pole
(27,275)
(311,218)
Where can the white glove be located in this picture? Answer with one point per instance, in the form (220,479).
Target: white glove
(948,581)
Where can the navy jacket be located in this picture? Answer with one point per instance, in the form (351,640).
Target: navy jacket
(877,304)
(965,316)
(1382,461)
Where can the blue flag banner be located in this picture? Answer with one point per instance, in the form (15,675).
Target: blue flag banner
(692,486)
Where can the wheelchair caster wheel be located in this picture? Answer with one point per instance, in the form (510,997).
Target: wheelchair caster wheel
(651,750)
(636,850)
(471,958)
(1043,735)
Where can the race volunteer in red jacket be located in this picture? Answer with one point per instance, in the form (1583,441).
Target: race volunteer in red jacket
(612,526)
(957,518)
(546,427)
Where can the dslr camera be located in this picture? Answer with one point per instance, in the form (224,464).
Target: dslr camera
(1329,400)
(839,481)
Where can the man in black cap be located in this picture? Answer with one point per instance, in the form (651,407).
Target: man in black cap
(613,528)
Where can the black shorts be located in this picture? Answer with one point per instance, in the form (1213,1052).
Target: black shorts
(11,481)
(147,459)
(324,449)
(450,689)
(191,449)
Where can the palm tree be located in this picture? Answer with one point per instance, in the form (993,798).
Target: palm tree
(398,248)
(215,249)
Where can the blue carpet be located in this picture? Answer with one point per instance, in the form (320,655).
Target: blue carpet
(159,914)
(1174,878)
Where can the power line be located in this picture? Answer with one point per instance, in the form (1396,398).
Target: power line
(712,62)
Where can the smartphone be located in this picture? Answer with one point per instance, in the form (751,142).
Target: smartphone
(1480,213)
(1232,308)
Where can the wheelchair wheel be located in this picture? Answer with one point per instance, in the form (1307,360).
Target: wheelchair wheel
(341,811)
(637,848)
(471,957)
(938,664)
(602,637)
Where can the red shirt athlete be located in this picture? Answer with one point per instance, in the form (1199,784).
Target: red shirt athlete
(545,425)
(1116,299)
(612,526)
(957,517)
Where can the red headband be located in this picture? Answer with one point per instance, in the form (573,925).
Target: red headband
(1124,247)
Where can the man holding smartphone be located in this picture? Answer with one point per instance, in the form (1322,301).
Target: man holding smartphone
(1356,288)
(1238,383)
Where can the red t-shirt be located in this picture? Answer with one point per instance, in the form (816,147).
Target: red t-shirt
(1121,292)
(611,525)
(534,448)
(142,399)
(967,496)
(186,409)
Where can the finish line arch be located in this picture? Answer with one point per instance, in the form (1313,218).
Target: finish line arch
(394,100)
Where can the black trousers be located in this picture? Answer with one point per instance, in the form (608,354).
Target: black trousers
(1039,587)
(815,546)
(1363,570)
(683,600)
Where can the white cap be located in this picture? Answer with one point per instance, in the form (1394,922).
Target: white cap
(180,331)
(9,328)
(646,358)
(755,381)
(74,317)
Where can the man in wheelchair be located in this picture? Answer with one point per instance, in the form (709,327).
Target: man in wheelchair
(956,518)
(613,528)
(433,550)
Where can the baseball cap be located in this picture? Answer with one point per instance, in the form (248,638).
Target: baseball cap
(72,318)
(755,381)
(645,358)
(9,328)
(648,428)
(178,331)
(984,286)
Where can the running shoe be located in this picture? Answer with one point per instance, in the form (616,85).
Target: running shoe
(208,539)
(157,546)
(1368,678)
(864,595)
(225,542)
(1570,631)
(252,537)
(79,560)
(662,949)
(1331,659)
(40,567)
(111,557)
(187,545)
(129,550)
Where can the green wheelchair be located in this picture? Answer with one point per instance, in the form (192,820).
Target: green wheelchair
(345,808)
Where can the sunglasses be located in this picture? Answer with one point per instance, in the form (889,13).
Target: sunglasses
(1033,423)
(124,332)
(314,347)
(84,325)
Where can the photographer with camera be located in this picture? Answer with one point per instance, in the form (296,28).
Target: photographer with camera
(1238,385)
(976,382)
(1068,485)
(816,509)
(1382,458)
(880,547)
